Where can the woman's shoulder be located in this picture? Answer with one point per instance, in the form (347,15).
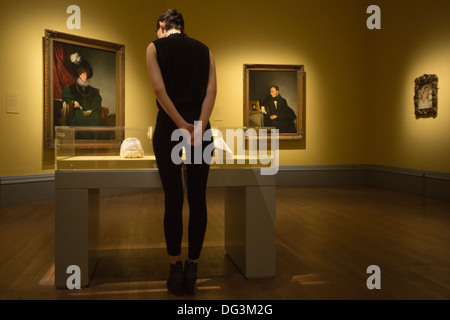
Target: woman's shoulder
(198,42)
(178,41)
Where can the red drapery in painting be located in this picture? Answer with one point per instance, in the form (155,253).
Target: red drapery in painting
(62,78)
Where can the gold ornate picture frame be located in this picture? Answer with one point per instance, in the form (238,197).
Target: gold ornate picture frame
(425,96)
(274,96)
(99,102)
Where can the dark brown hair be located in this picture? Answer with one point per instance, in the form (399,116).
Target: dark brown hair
(172,19)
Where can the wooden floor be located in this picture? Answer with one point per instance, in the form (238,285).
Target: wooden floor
(326,239)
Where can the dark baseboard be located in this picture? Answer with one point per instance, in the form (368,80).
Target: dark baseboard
(27,189)
(40,188)
(425,183)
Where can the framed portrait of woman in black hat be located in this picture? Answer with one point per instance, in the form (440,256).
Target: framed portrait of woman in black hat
(84,87)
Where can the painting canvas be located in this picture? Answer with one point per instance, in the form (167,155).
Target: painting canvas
(84,87)
(425,96)
(274,97)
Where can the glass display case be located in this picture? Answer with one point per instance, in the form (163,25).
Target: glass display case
(244,162)
(85,148)
(109,148)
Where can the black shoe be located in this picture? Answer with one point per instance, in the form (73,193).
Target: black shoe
(190,277)
(175,282)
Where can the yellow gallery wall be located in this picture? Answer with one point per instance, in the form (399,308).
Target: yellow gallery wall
(23,25)
(346,64)
(321,35)
(413,40)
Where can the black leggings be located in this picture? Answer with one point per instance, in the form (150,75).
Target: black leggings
(172,182)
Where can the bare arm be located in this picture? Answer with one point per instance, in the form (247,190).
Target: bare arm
(157,81)
(211,92)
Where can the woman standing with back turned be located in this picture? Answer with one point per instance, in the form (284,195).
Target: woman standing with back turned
(183,76)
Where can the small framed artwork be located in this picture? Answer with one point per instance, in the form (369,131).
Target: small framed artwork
(425,96)
(254,107)
(274,96)
(84,87)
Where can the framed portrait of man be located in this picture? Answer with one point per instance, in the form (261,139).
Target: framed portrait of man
(274,96)
(84,87)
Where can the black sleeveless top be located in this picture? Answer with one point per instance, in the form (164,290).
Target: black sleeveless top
(184,64)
